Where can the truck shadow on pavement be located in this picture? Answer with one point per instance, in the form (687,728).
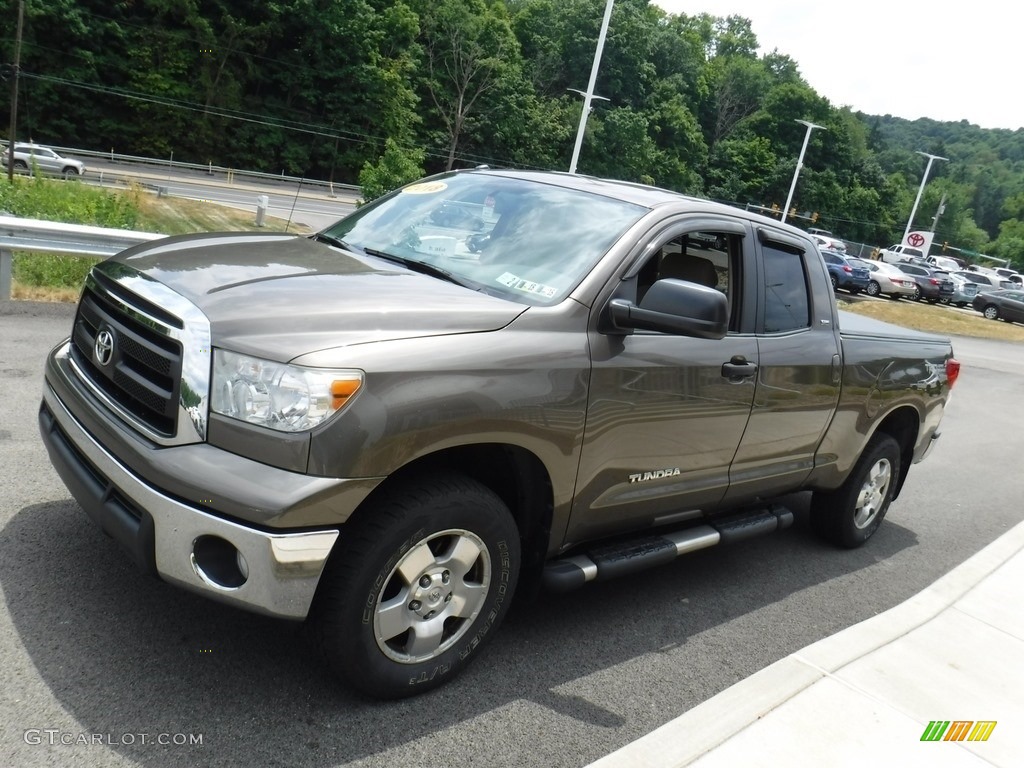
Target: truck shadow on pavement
(123,653)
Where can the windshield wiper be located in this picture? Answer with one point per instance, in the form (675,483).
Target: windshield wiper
(419,266)
(331,240)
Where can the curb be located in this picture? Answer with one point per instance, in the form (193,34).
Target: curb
(710,724)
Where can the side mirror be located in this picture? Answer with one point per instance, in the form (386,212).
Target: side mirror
(674,306)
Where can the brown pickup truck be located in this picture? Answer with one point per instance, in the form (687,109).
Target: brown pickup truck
(485,380)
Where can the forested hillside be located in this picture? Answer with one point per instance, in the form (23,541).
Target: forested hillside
(323,87)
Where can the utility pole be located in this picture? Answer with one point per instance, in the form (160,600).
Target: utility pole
(590,86)
(799,165)
(14,93)
(924,180)
(941,210)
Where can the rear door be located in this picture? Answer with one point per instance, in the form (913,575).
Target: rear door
(799,371)
(1013,306)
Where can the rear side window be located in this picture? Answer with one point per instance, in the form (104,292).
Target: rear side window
(787,307)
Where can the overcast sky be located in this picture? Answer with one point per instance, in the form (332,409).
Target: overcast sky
(908,58)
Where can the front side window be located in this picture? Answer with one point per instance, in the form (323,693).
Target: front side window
(709,258)
(523,240)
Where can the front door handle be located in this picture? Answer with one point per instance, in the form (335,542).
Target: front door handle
(738,368)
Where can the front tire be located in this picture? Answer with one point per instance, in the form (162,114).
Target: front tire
(873,288)
(850,515)
(416,586)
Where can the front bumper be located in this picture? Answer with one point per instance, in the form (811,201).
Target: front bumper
(270,573)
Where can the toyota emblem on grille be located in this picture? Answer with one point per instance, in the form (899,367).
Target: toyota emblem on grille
(104,347)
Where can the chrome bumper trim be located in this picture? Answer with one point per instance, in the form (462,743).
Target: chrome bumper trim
(283,570)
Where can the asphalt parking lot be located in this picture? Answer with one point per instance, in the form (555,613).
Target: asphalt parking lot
(92,650)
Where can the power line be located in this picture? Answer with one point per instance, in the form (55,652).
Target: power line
(313,129)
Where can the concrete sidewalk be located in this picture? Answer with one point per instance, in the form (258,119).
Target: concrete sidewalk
(867,695)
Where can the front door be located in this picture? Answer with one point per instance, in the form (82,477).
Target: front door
(663,421)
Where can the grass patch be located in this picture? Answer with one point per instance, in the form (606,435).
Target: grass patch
(936,319)
(178,216)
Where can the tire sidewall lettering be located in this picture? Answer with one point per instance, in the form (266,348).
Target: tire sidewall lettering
(370,605)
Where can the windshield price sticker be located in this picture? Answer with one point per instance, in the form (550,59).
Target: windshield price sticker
(526,286)
(436,245)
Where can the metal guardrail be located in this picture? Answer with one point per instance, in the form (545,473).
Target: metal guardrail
(18,234)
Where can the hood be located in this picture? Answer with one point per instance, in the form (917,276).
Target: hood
(281,296)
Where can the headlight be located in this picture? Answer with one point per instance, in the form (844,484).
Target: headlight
(287,398)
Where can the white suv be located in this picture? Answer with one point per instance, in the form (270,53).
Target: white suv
(27,156)
(894,254)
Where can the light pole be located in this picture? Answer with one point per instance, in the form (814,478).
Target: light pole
(799,165)
(589,95)
(924,180)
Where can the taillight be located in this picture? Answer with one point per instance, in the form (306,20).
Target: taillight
(933,281)
(952,371)
(847,269)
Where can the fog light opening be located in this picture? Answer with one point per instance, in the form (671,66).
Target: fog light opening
(219,563)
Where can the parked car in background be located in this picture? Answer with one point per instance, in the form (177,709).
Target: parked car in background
(829,243)
(964,291)
(888,279)
(986,281)
(933,285)
(1009,274)
(897,253)
(844,274)
(1001,305)
(942,262)
(48,161)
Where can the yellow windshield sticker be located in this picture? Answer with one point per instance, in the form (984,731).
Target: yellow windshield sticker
(426,188)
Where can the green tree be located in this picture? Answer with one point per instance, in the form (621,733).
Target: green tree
(468,49)
(397,166)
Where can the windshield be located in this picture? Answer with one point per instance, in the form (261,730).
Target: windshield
(519,239)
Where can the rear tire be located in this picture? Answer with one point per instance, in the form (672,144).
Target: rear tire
(991,312)
(850,515)
(417,586)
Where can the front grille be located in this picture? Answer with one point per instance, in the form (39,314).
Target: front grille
(143,374)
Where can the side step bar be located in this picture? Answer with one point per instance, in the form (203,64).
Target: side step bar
(631,555)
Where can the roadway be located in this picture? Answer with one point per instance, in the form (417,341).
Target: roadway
(89,646)
(313,204)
